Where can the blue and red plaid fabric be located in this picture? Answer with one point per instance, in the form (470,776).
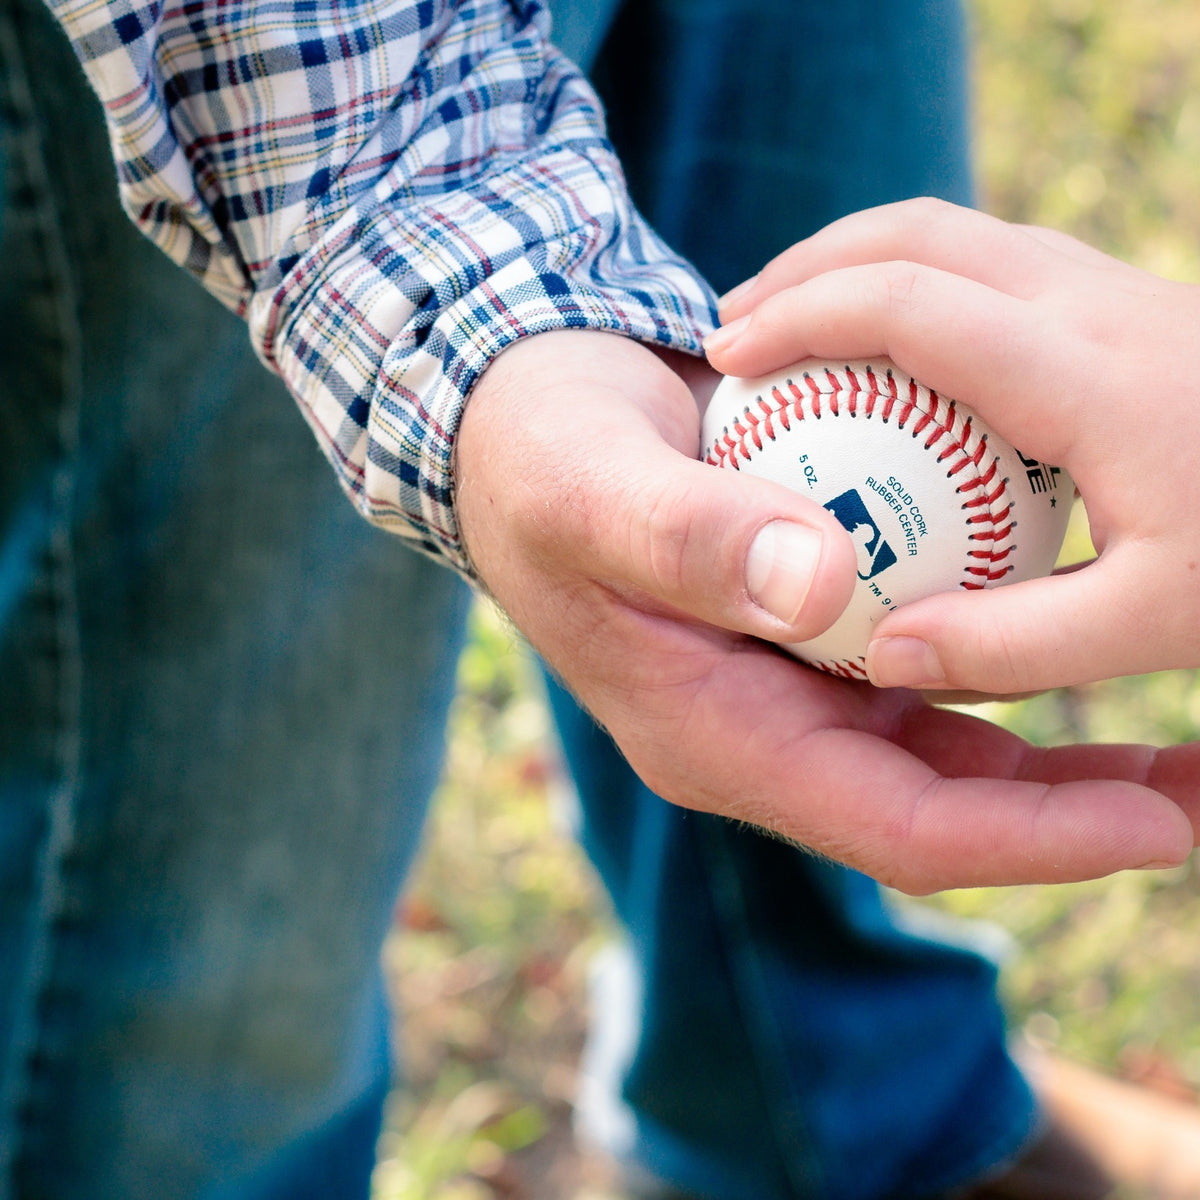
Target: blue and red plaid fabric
(390,192)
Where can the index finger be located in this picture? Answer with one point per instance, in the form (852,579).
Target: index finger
(919,798)
(1015,259)
(962,338)
(955,802)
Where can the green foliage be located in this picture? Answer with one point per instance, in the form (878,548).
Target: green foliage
(1088,120)
(458,1139)
(1104,970)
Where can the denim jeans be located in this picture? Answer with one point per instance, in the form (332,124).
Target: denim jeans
(222,700)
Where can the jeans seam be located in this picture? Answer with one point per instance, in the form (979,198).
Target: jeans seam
(803,1170)
(60,584)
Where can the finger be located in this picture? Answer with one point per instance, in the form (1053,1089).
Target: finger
(940,832)
(1030,636)
(669,533)
(954,801)
(1174,772)
(1016,259)
(1073,248)
(727,548)
(961,338)
(978,747)
(920,799)
(962,746)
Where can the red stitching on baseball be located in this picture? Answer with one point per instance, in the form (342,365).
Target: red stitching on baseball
(863,392)
(893,397)
(845,669)
(995,534)
(856,389)
(906,407)
(754,423)
(993,518)
(992,555)
(769,413)
(988,498)
(876,391)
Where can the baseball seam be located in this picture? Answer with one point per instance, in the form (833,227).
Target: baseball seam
(909,405)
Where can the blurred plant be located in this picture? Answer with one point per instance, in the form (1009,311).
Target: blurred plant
(1088,120)
(457,1142)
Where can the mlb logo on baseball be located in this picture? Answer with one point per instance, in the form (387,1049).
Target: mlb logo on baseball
(874,554)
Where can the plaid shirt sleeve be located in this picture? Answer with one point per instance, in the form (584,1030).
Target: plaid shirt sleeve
(390,192)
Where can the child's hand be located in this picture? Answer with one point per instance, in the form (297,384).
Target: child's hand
(1075,357)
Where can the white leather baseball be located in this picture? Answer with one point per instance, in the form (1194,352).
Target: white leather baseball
(933,498)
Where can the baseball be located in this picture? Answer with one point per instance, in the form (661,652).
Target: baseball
(933,499)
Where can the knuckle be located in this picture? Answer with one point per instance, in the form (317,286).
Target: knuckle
(923,220)
(1005,660)
(926,211)
(692,545)
(669,530)
(901,290)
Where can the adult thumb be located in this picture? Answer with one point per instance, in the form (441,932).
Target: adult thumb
(731,550)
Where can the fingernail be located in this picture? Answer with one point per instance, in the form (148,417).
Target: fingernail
(726,335)
(738,292)
(903,662)
(780,567)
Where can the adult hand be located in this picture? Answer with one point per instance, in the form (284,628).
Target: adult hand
(633,569)
(1075,357)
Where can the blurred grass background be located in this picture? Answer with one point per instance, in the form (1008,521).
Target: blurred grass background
(1088,120)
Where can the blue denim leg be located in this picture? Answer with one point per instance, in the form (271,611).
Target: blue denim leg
(744,125)
(776,1032)
(222,699)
